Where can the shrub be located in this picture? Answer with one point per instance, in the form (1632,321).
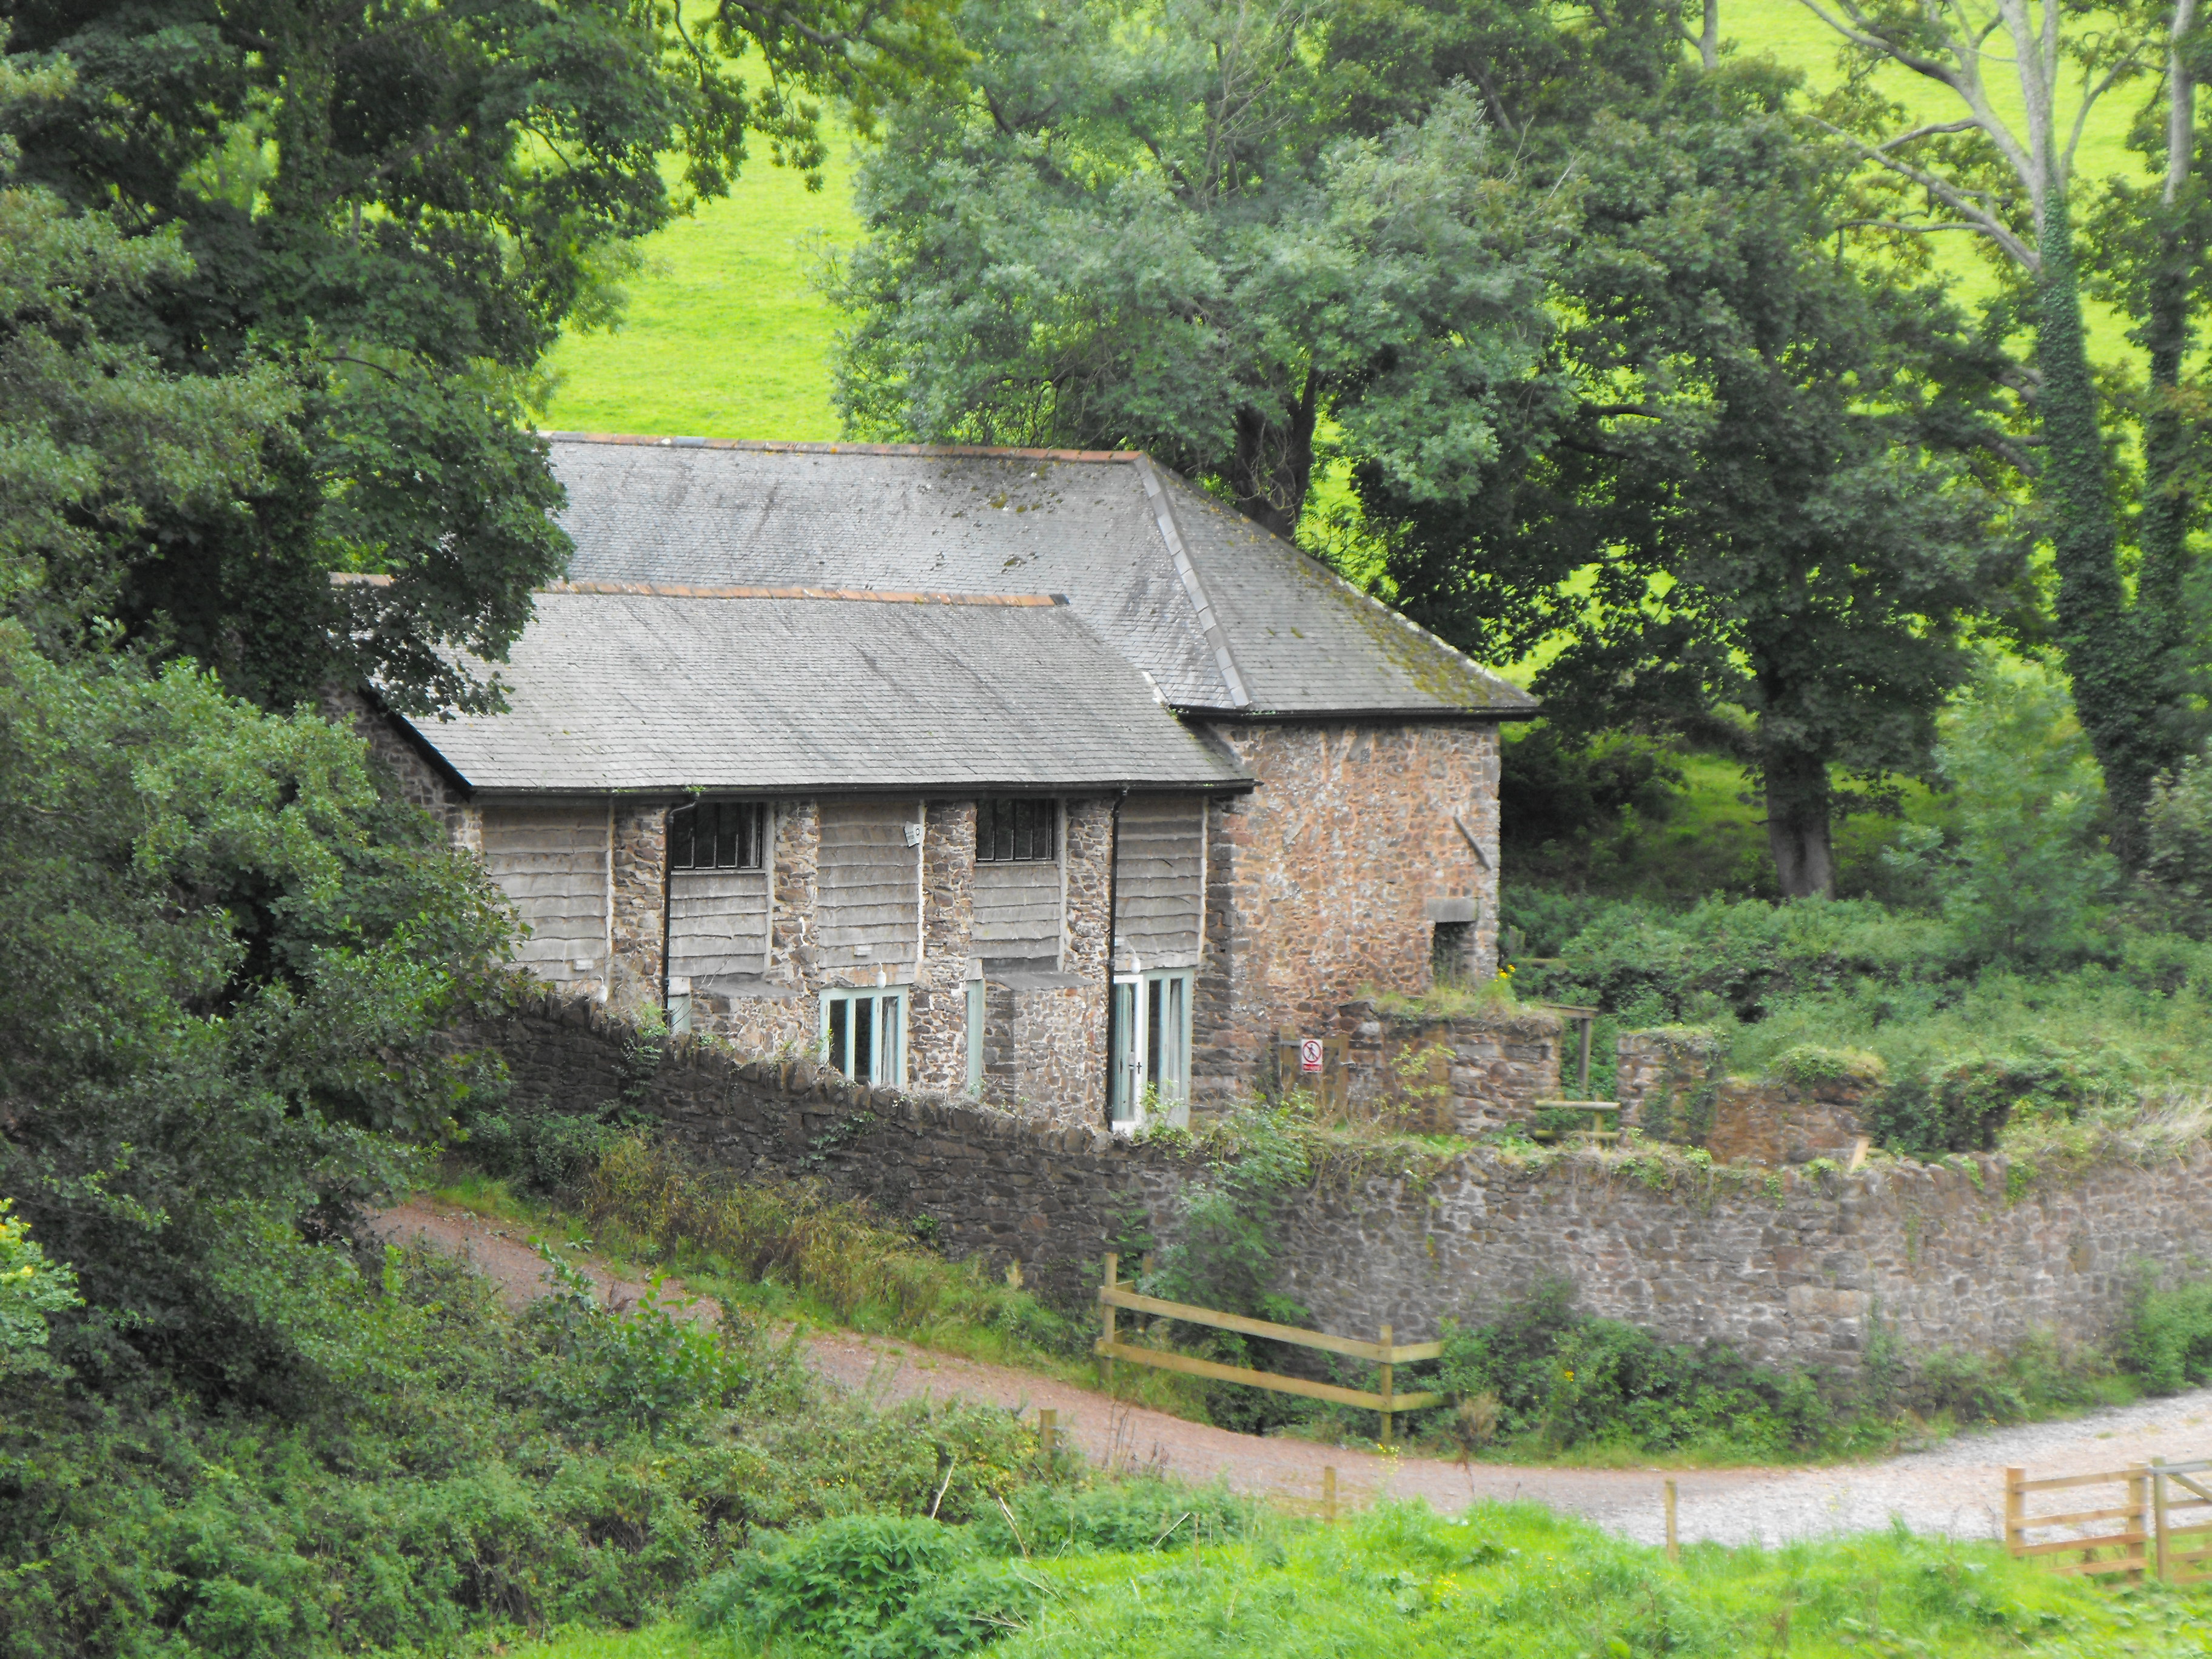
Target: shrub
(2175,884)
(2169,1342)
(1561,1379)
(2024,877)
(31,1291)
(841,1253)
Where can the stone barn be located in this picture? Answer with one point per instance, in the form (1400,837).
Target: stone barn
(854,750)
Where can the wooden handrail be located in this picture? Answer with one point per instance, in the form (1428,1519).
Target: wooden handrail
(1384,1354)
(1400,1354)
(1329,1391)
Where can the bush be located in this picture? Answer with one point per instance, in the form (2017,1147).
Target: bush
(2169,1343)
(2026,877)
(870,1587)
(883,1587)
(463,1468)
(865,1271)
(2175,884)
(1562,1380)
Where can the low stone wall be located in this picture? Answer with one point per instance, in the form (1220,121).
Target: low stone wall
(1773,1123)
(1662,1079)
(1671,1088)
(1008,1188)
(1467,1074)
(1789,1267)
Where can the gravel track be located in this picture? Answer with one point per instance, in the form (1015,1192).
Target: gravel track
(1954,1489)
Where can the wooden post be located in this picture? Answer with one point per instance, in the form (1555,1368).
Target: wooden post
(2016,1511)
(1047,1430)
(1385,1389)
(1582,1066)
(2157,1518)
(1106,1323)
(1328,1495)
(2139,1520)
(1674,1547)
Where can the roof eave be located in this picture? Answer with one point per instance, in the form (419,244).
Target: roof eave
(880,791)
(1427,712)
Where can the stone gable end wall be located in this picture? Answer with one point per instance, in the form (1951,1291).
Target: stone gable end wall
(1789,1267)
(1321,882)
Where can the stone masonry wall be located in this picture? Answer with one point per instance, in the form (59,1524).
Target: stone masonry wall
(1792,1268)
(1773,1123)
(938,1052)
(641,911)
(1470,1073)
(1670,1087)
(1331,871)
(1788,1268)
(1661,1076)
(419,780)
(1006,1188)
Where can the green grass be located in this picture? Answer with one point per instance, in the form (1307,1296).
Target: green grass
(1403,1582)
(725,335)
(781,1254)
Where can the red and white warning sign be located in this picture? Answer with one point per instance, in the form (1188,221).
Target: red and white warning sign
(1308,1054)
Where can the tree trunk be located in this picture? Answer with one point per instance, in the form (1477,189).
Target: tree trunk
(1273,465)
(1797,807)
(2113,664)
(2169,507)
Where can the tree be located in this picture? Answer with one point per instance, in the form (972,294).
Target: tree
(394,207)
(1738,483)
(1145,227)
(2026,878)
(2009,180)
(230,961)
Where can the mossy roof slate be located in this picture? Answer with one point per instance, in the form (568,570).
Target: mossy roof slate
(1222,616)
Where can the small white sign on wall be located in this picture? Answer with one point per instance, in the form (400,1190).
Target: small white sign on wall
(1310,1053)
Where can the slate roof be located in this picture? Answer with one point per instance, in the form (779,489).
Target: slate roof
(705,688)
(1225,617)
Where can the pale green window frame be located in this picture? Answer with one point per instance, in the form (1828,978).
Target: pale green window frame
(863,1033)
(1152,1033)
(976,1012)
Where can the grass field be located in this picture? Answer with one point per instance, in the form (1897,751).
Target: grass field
(727,336)
(1401,1583)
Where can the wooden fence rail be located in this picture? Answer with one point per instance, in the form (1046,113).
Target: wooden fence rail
(2148,1539)
(1383,1353)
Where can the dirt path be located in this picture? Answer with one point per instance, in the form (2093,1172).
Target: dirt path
(1954,1489)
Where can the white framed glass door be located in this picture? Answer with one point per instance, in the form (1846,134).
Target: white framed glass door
(1152,1039)
(864,1034)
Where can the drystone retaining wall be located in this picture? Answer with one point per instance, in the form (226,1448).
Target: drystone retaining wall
(1789,1267)
(1006,1188)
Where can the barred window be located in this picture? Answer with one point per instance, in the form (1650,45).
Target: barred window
(717,835)
(1013,831)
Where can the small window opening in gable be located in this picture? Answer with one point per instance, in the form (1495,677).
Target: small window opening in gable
(1014,832)
(1451,953)
(717,835)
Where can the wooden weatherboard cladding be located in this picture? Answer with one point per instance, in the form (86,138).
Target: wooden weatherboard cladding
(551,859)
(869,908)
(1160,880)
(718,924)
(1017,911)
